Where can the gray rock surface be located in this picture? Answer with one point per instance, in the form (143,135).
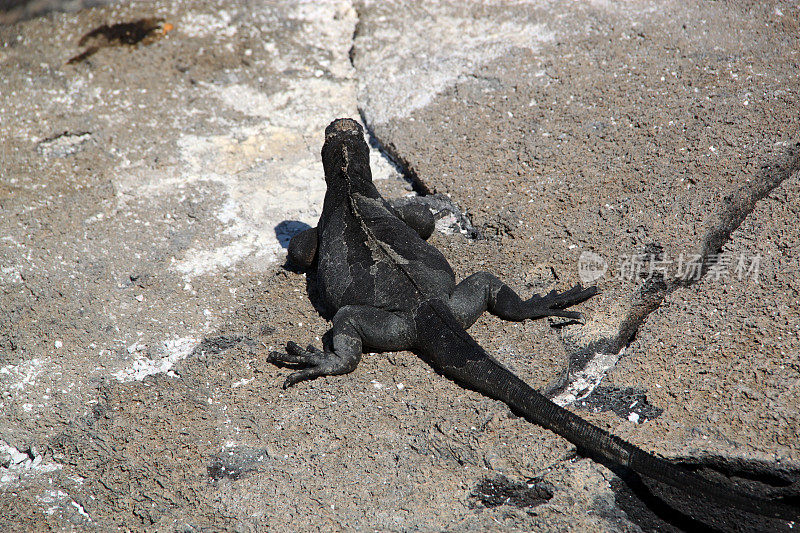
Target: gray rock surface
(12,11)
(147,192)
(723,353)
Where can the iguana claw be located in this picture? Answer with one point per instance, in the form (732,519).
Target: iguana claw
(317,362)
(554,303)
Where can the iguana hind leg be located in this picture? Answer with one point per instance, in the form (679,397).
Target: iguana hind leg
(483,291)
(354,328)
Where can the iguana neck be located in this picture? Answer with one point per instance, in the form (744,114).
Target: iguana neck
(346,178)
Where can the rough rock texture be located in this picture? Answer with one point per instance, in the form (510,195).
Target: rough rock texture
(649,128)
(148,191)
(723,353)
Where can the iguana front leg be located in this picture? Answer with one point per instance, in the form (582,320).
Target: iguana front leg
(303,248)
(355,327)
(416,216)
(484,292)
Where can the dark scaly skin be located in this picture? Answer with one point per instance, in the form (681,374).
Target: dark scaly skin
(391,291)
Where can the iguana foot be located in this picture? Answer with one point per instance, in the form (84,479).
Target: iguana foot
(317,363)
(554,303)
(483,291)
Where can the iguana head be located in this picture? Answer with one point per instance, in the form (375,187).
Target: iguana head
(343,125)
(345,155)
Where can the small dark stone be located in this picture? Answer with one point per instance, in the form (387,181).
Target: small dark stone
(499,490)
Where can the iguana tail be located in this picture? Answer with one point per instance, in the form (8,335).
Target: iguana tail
(454,353)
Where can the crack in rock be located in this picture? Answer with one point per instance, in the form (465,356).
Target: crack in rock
(737,207)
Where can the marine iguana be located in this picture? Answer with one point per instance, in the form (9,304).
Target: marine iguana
(391,290)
